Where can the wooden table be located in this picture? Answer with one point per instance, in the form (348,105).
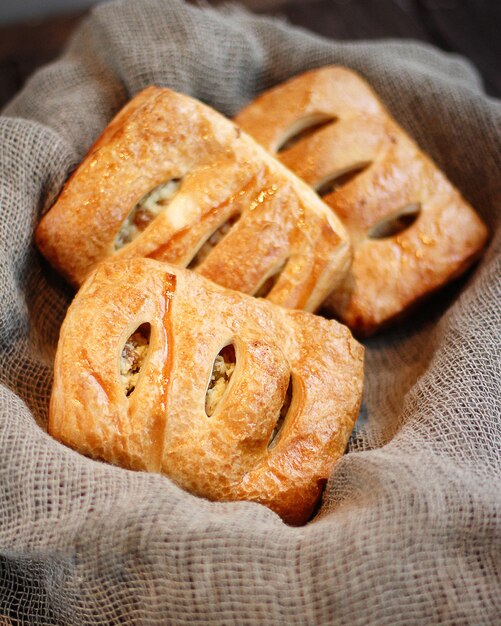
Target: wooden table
(468,27)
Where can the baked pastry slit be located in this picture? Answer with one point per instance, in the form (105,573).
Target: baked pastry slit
(335,181)
(397,222)
(133,356)
(146,211)
(302,128)
(222,371)
(284,410)
(269,282)
(211,242)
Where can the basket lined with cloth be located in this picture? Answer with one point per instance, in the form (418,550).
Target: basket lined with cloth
(409,529)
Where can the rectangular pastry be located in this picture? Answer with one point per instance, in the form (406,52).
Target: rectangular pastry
(173,180)
(411,229)
(232,397)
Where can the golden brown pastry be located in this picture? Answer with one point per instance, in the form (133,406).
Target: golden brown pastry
(410,228)
(171,179)
(230,396)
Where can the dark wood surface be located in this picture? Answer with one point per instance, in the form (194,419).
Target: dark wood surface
(468,27)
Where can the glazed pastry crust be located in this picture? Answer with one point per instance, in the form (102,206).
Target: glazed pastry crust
(217,174)
(162,426)
(391,175)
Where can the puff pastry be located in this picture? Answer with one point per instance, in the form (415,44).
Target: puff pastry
(171,179)
(410,228)
(230,396)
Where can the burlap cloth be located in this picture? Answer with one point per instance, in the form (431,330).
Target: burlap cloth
(410,529)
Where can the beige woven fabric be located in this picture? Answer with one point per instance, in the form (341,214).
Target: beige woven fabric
(410,530)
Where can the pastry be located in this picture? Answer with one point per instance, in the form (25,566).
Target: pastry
(410,228)
(173,180)
(232,397)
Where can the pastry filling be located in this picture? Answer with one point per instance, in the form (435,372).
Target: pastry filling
(397,222)
(133,355)
(303,128)
(335,181)
(283,414)
(145,211)
(222,370)
(216,237)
